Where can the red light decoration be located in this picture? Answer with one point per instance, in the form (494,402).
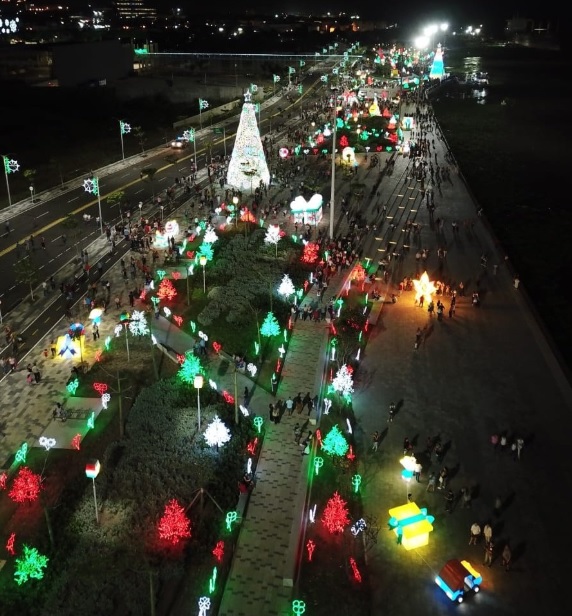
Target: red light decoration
(311,253)
(378,148)
(358,273)
(166,290)
(351,456)
(278,365)
(10,544)
(190,254)
(180,359)
(335,516)
(174,524)
(98,355)
(26,486)
(333,330)
(350,370)
(178,320)
(3,480)
(366,326)
(176,275)
(319,436)
(306,284)
(228,397)
(143,295)
(357,574)
(251,447)
(310,546)
(100,388)
(344,141)
(247,216)
(218,550)
(290,323)
(315,150)
(76,442)
(217,347)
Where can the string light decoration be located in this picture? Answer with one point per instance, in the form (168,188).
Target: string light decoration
(138,324)
(30,566)
(3,480)
(310,546)
(174,526)
(166,290)
(270,327)
(335,443)
(26,486)
(356,571)
(76,442)
(286,287)
(217,433)
(335,517)
(311,253)
(218,551)
(343,382)
(273,236)
(190,368)
(247,167)
(210,236)
(10,544)
(206,250)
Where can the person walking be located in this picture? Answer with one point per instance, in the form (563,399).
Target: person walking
(391,412)
(417,472)
(466,497)
(431,483)
(297,433)
(488,533)
(95,332)
(53,348)
(37,373)
(506,557)
(449,501)
(475,533)
(375,438)
(290,406)
(489,553)
(418,336)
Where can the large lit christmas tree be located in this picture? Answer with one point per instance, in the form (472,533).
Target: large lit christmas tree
(437,68)
(335,516)
(247,166)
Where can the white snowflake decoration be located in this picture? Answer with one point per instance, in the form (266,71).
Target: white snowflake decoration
(210,236)
(204,606)
(216,433)
(118,329)
(286,287)
(252,369)
(138,325)
(327,406)
(105,398)
(13,166)
(272,235)
(343,382)
(90,186)
(47,443)
(167,312)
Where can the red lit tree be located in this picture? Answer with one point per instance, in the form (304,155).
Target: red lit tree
(166,289)
(335,516)
(311,253)
(174,524)
(26,486)
(344,141)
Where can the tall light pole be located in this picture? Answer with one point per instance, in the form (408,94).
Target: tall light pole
(10,166)
(198,383)
(92,469)
(333,186)
(189,135)
(124,128)
(91,185)
(203,262)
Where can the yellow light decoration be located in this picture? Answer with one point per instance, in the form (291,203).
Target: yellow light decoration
(68,348)
(424,287)
(348,156)
(408,463)
(411,525)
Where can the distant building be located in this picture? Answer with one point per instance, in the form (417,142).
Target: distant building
(135,11)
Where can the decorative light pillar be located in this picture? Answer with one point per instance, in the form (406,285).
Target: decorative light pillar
(124,128)
(203,262)
(198,383)
(92,469)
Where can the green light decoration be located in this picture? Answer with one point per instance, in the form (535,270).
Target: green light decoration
(360,335)
(212,580)
(72,386)
(21,454)
(231,517)
(107,343)
(300,293)
(193,326)
(256,348)
(91,421)
(10,166)
(285,334)
(298,606)
(258,421)
(364,135)
(190,368)
(141,51)
(335,443)
(125,128)
(339,123)
(30,566)
(356,482)
(91,185)
(189,135)
(318,463)
(300,89)
(270,327)
(206,250)
(297,150)
(155,300)
(161,274)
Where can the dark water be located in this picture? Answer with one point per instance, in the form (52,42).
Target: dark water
(516,159)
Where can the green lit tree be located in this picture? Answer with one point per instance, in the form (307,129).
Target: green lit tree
(270,328)
(190,367)
(31,565)
(335,443)
(27,272)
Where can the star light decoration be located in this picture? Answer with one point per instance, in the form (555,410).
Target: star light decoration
(343,382)
(424,288)
(30,565)
(91,186)
(217,433)
(10,165)
(286,287)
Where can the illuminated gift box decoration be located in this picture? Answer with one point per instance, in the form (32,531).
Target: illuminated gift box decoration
(162,239)
(456,577)
(411,525)
(307,212)
(70,348)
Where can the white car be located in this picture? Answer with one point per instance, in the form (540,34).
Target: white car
(179,143)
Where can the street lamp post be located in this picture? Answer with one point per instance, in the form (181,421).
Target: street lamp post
(124,128)
(162,208)
(333,186)
(10,166)
(198,383)
(140,211)
(91,185)
(203,262)
(92,469)
(32,192)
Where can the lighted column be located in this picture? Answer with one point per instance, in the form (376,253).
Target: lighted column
(198,383)
(203,262)
(92,469)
